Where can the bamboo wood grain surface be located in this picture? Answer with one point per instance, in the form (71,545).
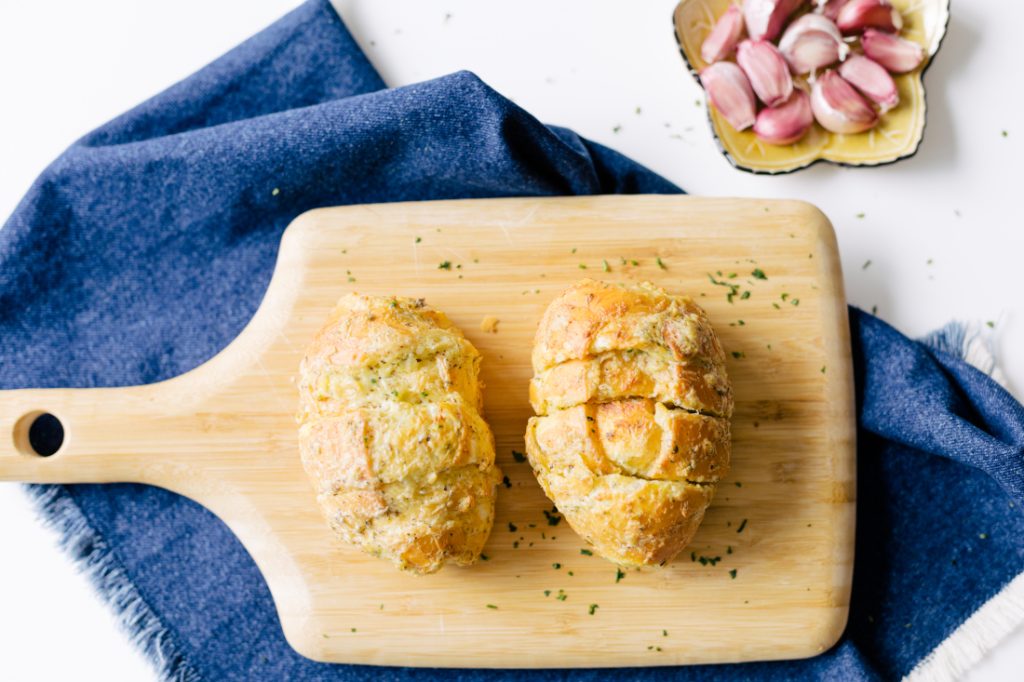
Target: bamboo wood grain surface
(770,571)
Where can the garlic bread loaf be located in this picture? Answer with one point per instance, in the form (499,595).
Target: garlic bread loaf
(632,428)
(391,436)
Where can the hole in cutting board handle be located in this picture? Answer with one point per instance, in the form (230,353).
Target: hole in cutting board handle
(39,434)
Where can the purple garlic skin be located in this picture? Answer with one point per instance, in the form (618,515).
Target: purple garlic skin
(829,8)
(858,15)
(812,42)
(838,107)
(766,69)
(896,54)
(786,123)
(730,93)
(765,18)
(873,81)
(723,37)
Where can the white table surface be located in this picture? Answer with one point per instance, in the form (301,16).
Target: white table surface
(67,66)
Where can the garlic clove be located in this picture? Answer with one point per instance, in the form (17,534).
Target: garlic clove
(857,15)
(812,42)
(894,53)
(787,122)
(829,8)
(767,70)
(838,107)
(873,81)
(765,18)
(730,93)
(723,37)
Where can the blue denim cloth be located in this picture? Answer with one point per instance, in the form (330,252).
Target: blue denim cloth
(147,246)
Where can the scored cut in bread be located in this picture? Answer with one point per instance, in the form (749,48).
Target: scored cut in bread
(391,436)
(632,429)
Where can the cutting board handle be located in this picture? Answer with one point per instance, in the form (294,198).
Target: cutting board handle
(127,434)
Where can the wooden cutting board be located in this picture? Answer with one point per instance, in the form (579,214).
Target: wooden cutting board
(769,576)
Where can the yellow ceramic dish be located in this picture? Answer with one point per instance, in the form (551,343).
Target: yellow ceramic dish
(896,137)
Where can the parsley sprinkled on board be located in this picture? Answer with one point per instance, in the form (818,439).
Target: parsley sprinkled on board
(354,630)
(709,560)
(445,265)
(660,263)
(547,593)
(507,483)
(1005,133)
(605,266)
(743,524)
(512,528)
(484,557)
(583,266)
(419,239)
(867,264)
(732,574)
(823,369)
(738,354)
(586,552)
(561,596)
(518,456)
(664,633)
(758,273)
(734,289)
(492,606)
(556,565)
(739,484)
(553,517)
(990,324)
(592,608)
(619,575)
(616,129)
(860,215)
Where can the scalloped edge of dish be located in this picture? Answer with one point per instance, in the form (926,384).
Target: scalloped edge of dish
(941,36)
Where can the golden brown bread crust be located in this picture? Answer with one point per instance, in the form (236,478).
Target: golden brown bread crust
(633,405)
(592,317)
(694,384)
(391,436)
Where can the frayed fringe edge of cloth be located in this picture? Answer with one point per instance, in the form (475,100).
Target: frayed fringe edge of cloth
(1004,613)
(975,637)
(987,627)
(94,557)
(972,343)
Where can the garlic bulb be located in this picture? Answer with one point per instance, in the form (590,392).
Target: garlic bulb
(730,93)
(812,42)
(723,37)
(767,70)
(838,107)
